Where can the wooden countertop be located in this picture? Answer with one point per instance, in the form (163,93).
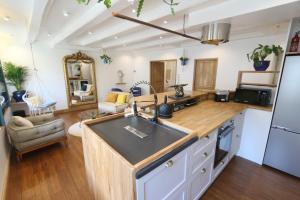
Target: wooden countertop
(203,118)
(161,96)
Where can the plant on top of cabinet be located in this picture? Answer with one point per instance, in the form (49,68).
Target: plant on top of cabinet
(259,54)
(106,59)
(183,60)
(16,76)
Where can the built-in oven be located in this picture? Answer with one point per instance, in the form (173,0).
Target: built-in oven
(224,139)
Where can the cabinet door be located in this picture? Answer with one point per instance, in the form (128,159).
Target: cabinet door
(237,134)
(201,180)
(164,181)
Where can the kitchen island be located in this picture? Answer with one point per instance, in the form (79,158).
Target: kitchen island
(184,169)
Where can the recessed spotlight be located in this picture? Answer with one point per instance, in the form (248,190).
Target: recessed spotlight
(49,34)
(116,37)
(161,37)
(90,32)
(6,18)
(66,13)
(165,22)
(133,10)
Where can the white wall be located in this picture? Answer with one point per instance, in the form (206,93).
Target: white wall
(231,59)
(136,66)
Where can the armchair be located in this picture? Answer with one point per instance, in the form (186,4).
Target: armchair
(85,94)
(45,130)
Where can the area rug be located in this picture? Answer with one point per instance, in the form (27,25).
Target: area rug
(75,130)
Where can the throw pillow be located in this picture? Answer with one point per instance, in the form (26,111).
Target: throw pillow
(111,97)
(21,121)
(121,98)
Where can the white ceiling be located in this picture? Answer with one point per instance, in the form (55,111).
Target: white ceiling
(44,20)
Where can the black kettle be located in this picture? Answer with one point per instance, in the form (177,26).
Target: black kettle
(165,110)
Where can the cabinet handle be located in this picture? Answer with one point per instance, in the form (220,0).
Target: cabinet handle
(169,163)
(205,155)
(207,137)
(222,163)
(203,171)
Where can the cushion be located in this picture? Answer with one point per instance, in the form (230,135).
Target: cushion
(35,100)
(111,97)
(21,121)
(121,98)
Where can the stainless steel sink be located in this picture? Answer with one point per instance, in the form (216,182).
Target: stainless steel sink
(136,138)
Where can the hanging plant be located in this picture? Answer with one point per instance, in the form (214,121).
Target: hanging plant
(140,4)
(106,59)
(183,60)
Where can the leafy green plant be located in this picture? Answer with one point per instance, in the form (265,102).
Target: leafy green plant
(140,4)
(106,59)
(16,75)
(184,59)
(262,51)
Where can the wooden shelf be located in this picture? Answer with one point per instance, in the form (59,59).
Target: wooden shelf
(121,83)
(240,77)
(260,72)
(292,53)
(259,84)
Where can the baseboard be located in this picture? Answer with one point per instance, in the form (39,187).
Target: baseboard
(6,176)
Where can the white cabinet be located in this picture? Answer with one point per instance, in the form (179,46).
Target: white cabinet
(237,134)
(165,181)
(255,135)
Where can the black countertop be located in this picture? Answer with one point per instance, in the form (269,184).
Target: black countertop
(130,146)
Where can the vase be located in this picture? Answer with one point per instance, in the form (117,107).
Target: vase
(184,62)
(262,65)
(17,95)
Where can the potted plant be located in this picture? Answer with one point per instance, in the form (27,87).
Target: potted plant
(183,60)
(16,76)
(106,59)
(259,54)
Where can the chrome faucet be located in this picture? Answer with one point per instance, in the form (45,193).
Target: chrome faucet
(135,111)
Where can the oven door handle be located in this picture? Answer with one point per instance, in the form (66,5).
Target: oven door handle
(226,131)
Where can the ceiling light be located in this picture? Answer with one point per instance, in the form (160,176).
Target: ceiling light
(116,37)
(90,32)
(161,37)
(133,10)
(66,14)
(165,22)
(124,45)
(6,18)
(49,34)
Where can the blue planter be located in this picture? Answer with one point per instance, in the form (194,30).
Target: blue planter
(262,65)
(17,95)
(184,62)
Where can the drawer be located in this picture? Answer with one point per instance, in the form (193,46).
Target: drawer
(165,180)
(201,180)
(200,156)
(220,167)
(212,137)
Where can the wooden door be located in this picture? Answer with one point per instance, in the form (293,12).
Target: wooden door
(205,74)
(157,75)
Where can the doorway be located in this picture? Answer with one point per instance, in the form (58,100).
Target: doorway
(163,75)
(205,74)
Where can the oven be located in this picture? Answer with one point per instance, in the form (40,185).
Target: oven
(224,139)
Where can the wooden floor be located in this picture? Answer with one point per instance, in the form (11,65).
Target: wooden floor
(57,172)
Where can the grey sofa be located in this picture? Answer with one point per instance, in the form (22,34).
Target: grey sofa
(47,130)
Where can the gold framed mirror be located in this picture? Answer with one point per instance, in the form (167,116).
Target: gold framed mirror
(80,80)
